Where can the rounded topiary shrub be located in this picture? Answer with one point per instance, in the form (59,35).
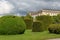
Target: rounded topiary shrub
(11,25)
(54,28)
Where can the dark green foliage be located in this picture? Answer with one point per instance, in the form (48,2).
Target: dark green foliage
(22,17)
(28,23)
(56,19)
(54,28)
(37,26)
(28,17)
(45,19)
(11,25)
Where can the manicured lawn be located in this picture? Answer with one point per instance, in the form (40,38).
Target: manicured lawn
(30,36)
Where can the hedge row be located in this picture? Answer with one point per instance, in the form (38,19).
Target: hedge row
(44,22)
(37,26)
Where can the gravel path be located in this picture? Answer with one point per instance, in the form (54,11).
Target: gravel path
(54,39)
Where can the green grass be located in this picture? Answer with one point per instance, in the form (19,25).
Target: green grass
(30,36)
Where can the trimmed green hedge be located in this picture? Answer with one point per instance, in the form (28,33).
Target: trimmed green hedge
(46,20)
(37,27)
(11,25)
(28,23)
(54,28)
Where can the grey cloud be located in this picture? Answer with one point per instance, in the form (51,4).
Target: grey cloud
(22,6)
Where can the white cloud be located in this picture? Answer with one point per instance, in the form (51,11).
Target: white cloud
(5,7)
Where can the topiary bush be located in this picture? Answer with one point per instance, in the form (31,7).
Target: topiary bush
(54,28)
(28,23)
(37,26)
(46,20)
(11,25)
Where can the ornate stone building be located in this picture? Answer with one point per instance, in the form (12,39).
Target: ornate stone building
(45,12)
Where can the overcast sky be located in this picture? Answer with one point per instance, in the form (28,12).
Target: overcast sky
(22,6)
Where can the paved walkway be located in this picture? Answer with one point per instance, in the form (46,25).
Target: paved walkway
(54,39)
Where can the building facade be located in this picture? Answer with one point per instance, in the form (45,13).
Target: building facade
(45,12)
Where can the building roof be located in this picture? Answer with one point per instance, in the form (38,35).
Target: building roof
(34,13)
(52,9)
